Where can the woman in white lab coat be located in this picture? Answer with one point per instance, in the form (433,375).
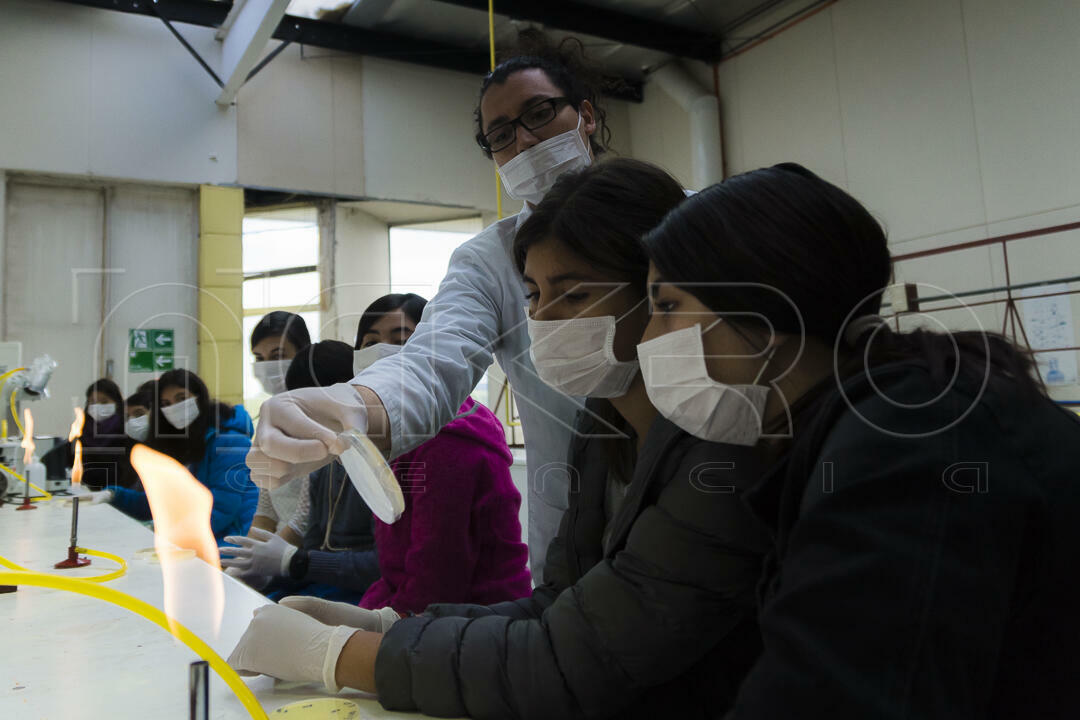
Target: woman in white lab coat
(537,117)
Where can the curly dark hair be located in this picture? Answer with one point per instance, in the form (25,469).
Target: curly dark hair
(565,65)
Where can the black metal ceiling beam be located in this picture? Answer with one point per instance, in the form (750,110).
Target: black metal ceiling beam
(610,24)
(336,36)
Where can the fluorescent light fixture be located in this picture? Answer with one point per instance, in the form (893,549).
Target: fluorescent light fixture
(312,8)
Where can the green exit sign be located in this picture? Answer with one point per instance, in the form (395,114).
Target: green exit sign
(150,350)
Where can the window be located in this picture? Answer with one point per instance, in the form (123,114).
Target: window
(281,255)
(419,257)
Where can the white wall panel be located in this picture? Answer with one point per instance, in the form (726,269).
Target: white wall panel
(791,111)
(152,250)
(52,285)
(418,136)
(1025,76)
(92,92)
(286,126)
(906,106)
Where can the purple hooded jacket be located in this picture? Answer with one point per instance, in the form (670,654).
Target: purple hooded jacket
(459,539)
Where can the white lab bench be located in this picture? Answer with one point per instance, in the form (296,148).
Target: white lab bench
(65,656)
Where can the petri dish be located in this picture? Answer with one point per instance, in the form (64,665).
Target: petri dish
(372,477)
(320,709)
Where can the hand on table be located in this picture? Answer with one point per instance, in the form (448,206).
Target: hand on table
(339,613)
(262,553)
(91,497)
(289,645)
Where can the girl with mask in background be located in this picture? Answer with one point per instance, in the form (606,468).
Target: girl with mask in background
(647,604)
(275,340)
(103,441)
(538,116)
(211,439)
(138,409)
(923,494)
(458,538)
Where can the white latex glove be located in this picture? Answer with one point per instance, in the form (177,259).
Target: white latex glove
(298,432)
(289,645)
(255,582)
(339,613)
(261,553)
(92,497)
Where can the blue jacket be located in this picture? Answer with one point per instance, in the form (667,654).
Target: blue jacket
(223,470)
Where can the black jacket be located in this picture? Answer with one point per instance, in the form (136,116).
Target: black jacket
(922,570)
(660,623)
(356,565)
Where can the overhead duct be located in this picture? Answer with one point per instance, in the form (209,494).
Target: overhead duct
(703,107)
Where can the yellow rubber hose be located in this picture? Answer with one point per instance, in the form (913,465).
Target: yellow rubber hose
(104,577)
(45,494)
(151,613)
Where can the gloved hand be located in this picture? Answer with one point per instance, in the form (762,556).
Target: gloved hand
(298,432)
(339,613)
(92,497)
(255,582)
(264,553)
(289,645)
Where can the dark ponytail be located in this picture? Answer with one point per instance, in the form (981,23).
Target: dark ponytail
(784,243)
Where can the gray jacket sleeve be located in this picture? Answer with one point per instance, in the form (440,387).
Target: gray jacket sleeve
(423,386)
(684,579)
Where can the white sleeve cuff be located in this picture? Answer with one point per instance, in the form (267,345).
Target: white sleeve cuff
(338,637)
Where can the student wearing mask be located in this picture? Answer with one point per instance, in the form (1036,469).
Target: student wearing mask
(275,341)
(211,439)
(103,439)
(647,605)
(138,409)
(538,117)
(923,493)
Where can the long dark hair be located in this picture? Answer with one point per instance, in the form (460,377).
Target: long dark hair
(409,303)
(287,325)
(600,214)
(108,388)
(566,67)
(784,228)
(185,445)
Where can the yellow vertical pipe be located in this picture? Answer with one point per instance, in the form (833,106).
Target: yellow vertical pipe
(221,341)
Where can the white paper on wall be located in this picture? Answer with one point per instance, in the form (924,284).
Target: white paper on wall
(1048,322)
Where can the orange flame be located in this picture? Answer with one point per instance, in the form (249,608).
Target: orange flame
(77,425)
(75,433)
(181,507)
(76,467)
(28,437)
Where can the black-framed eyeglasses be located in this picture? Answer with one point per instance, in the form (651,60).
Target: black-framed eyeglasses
(535,117)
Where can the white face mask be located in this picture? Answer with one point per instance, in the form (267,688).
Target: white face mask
(138,428)
(101,411)
(678,384)
(182,414)
(271,374)
(531,173)
(577,356)
(364,358)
